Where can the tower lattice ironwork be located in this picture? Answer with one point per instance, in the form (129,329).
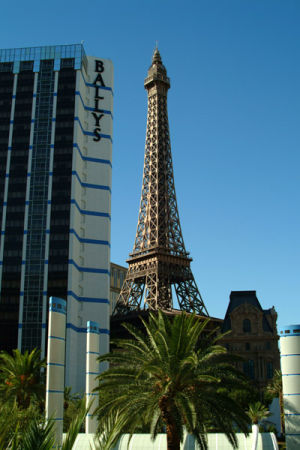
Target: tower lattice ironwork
(159,263)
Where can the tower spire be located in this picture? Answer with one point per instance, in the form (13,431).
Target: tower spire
(159,262)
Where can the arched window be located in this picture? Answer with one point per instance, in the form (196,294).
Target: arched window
(248,368)
(246,326)
(269,369)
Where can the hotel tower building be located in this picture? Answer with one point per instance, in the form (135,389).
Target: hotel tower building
(55,191)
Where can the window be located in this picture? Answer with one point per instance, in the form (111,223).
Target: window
(67,62)
(115,278)
(269,370)
(247,346)
(6,67)
(246,326)
(248,368)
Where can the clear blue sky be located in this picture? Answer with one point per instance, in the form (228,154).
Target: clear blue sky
(234,111)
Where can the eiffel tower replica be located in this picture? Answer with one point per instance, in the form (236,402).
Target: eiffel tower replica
(159,263)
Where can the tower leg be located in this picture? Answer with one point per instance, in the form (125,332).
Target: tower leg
(188,295)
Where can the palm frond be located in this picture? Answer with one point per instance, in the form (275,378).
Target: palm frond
(39,436)
(75,427)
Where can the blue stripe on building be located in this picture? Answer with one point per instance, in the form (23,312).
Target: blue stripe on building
(88,269)
(89,213)
(57,337)
(89,241)
(83,330)
(87,158)
(89,108)
(290,374)
(88,299)
(90,133)
(52,391)
(105,88)
(55,364)
(90,185)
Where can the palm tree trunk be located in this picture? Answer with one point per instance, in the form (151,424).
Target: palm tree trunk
(173,439)
(22,401)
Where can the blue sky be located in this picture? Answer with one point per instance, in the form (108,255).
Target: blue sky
(234,110)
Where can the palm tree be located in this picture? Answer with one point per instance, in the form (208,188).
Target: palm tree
(14,422)
(109,435)
(275,389)
(75,425)
(72,404)
(171,375)
(20,377)
(39,434)
(256,412)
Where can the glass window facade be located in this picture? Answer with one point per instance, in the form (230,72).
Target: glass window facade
(37,213)
(14,226)
(28,166)
(19,56)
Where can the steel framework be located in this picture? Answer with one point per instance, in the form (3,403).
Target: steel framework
(159,259)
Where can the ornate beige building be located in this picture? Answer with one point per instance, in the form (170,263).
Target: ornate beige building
(253,336)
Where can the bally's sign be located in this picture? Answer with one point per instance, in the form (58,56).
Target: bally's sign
(98,113)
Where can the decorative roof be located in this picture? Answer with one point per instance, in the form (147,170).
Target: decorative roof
(157,72)
(238,298)
(156,56)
